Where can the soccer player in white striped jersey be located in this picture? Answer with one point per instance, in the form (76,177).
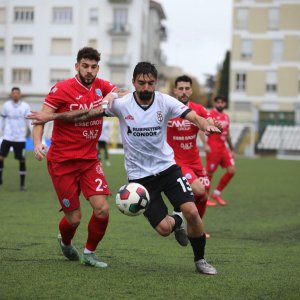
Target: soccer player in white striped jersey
(14,127)
(149,160)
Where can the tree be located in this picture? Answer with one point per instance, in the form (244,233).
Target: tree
(224,80)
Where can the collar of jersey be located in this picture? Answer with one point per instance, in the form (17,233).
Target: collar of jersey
(143,108)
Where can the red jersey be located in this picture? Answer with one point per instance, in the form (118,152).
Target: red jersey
(76,140)
(218,141)
(182,137)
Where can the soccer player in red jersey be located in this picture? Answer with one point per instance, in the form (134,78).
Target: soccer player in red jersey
(182,137)
(72,157)
(217,152)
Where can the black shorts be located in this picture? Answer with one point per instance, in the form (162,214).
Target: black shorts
(173,184)
(19,149)
(102,144)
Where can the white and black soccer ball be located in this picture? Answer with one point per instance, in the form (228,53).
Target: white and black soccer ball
(132,199)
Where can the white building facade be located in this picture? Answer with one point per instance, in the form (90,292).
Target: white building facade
(39,40)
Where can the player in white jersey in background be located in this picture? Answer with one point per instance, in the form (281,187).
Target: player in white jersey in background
(149,160)
(102,143)
(14,128)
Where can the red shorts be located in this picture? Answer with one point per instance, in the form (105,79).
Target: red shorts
(191,174)
(73,176)
(223,158)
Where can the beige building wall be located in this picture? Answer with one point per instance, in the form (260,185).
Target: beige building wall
(288,81)
(290,17)
(258,20)
(255,83)
(236,46)
(291,48)
(262,51)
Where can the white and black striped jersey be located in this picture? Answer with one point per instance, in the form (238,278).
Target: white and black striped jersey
(13,122)
(144,130)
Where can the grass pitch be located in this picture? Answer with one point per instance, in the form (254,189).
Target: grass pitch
(255,242)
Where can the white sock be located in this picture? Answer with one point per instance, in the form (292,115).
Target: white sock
(179,213)
(87,251)
(216,192)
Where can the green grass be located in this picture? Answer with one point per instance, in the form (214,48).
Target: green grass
(255,242)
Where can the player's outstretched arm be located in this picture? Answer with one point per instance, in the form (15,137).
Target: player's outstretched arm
(42,117)
(202,123)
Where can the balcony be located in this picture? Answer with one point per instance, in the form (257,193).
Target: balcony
(120,1)
(119,29)
(119,60)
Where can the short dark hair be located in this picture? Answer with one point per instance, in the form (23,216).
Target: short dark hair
(183,78)
(89,53)
(15,88)
(220,97)
(144,68)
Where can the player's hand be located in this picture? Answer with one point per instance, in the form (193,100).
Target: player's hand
(211,129)
(207,148)
(218,125)
(39,117)
(40,151)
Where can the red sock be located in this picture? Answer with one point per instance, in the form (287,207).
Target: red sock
(201,205)
(224,181)
(66,230)
(96,231)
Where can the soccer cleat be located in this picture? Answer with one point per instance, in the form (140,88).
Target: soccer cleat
(209,202)
(202,266)
(23,188)
(180,235)
(207,235)
(92,260)
(219,199)
(70,252)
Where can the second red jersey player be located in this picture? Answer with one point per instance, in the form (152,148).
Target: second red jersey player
(182,137)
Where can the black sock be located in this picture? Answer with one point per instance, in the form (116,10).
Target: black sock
(178,221)
(1,170)
(198,245)
(22,173)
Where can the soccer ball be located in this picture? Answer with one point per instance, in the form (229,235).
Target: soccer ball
(132,199)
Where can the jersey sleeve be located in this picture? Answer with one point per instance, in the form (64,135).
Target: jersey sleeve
(176,108)
(107,87)
(55,98)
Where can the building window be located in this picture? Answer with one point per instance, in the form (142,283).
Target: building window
(271,82)
(94,15)
(246,49)
(62,15)
(118,77)
(92,43)
(120,19)
(2,15)
(240,81)
(61,46)
(21,76)
(1,76)
(242,18)
(273,18)
(22,45)
(277,50)
(57,75)
(24,14)
(2,46)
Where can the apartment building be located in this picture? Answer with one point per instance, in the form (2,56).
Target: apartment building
(39,40)
(265,61)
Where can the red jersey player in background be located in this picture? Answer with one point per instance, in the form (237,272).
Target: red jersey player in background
(182,137)
(72,157)
(217,152)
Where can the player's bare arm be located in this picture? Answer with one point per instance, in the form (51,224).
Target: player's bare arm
(40,149)
(202,123)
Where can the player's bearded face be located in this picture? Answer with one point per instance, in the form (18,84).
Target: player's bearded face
(183,91)
(146,95)
(220,106)
(87,71)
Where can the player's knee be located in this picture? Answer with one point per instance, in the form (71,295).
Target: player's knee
(164,228)
(192,215)
(232,170)
(101,211)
